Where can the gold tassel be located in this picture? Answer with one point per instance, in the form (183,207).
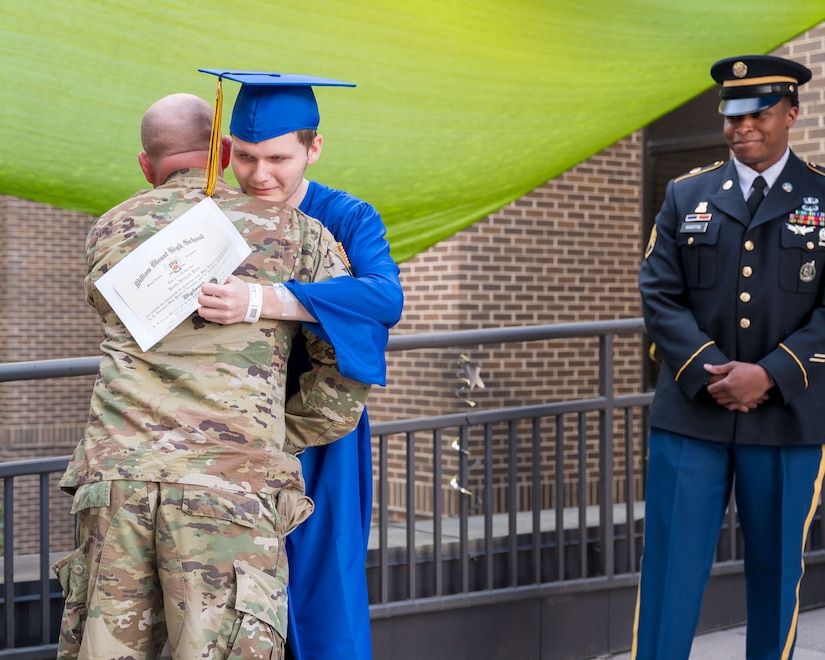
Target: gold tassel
(214,144)
(344,254)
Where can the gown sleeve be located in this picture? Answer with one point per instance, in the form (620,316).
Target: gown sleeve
(354,314)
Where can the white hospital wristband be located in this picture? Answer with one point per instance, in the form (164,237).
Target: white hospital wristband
(256,301)
(288,300)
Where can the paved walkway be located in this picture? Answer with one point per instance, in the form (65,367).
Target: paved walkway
(730,644)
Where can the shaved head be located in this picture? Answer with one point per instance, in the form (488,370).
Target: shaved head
(178,123)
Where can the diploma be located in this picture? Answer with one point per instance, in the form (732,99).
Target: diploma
(156,286)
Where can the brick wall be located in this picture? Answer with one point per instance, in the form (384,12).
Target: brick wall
(567,252)
(808,135)
(44,317)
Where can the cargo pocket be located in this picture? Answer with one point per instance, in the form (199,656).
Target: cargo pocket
(261,605)
(239,508)
(73,575)
(92,496)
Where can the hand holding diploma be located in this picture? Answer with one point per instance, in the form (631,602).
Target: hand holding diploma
(156,287)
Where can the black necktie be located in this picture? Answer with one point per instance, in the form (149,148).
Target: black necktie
(757,195)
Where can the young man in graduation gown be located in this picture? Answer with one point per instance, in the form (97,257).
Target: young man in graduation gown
(274,132)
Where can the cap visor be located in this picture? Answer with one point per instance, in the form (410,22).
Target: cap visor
(739,107)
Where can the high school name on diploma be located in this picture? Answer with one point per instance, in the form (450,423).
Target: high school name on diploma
(156,286)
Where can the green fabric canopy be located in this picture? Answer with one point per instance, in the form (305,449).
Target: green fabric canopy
(461,106)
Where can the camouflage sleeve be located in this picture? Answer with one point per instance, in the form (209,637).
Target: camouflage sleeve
(330,258)
(327,405)
(91,252)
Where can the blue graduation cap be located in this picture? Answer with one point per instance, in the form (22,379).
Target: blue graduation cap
(273,104)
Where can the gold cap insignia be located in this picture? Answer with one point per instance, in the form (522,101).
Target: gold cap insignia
(740,69)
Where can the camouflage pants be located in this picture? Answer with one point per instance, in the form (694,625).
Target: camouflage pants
(205,568)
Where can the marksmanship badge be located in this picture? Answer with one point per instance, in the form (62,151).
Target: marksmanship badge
(808,272)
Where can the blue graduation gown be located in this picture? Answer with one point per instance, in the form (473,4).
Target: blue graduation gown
(329,605)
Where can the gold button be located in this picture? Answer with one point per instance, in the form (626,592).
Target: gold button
(691,240)
(745,296)
(744,323)
(810,245)
(747,271)
(749,245)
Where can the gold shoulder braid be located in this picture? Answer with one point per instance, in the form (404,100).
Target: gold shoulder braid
(700,170)
(651,243)
(819,169)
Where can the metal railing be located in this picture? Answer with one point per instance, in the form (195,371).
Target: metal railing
(480,553)
(46,596)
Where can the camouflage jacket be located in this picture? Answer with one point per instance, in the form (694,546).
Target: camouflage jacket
(206,404)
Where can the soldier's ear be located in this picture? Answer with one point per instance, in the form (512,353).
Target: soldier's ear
(146,166)
(793,113)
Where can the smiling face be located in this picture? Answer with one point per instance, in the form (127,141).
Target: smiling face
(759,140)
(274,169)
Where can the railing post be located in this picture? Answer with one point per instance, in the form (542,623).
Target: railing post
(559,502)
(383,522)
(463,512)
(489,505)
(412,578)
(536,499)
(45,618)
(438,505)
(512,503)
(606,531)
(8,560)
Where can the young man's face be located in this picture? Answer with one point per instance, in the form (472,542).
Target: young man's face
(274,169)
(760,139)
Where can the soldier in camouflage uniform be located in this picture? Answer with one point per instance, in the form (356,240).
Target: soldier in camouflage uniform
(184,484)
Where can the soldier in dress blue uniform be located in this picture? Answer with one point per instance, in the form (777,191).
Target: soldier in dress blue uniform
(733,297)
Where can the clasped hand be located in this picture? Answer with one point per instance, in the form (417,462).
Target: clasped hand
(224,303)
(738,386)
